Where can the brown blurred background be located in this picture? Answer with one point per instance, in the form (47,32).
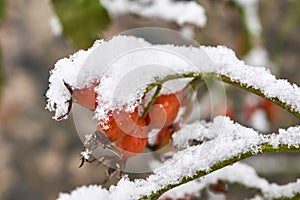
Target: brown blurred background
(40,157)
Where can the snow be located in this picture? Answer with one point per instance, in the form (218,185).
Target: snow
(258,57)
(239,173)
(123,87)
(259,121)
(212,131)
(251,14)
(289,137)
(174,11)
(192,188)
(94,193)
(188,31)
(257,197)
(82,69)
(187,133)
(86,153)
(231,140)
(67,70)
(55,26)
(226,63)
(125,66)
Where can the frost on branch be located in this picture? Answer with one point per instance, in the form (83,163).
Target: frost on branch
(228,142)
(174,11)
(85,67)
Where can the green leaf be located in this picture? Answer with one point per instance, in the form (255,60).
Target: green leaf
(82,20)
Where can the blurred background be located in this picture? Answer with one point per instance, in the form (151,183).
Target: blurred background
(40,157)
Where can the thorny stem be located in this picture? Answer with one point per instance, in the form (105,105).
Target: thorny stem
(264,149)
(228,80)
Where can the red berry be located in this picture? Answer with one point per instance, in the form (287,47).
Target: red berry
(163,138)
(135,141)
(164,111)
(119,124)
(272,110)
(86,97)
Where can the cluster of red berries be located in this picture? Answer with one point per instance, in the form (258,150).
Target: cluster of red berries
(129,131)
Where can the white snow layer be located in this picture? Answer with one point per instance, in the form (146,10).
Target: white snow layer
(55,26)
(180,12)
(239,173)
(252,17)
(258,57)
(230,140)
(126,65)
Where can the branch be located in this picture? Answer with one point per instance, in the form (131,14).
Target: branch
(242,175)
(264,148)
(232,143)
(187,62)
(286,106)
(260,93)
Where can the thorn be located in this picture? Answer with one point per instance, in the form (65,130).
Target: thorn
(69,101)
(82,162)
(69,88)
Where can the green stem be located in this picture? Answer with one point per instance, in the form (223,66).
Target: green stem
(258,92)
(228,80)
(158,88)
(264,148)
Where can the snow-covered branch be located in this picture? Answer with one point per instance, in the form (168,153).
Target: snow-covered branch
(230,142)
(84,67)
(221,142)
(242,175)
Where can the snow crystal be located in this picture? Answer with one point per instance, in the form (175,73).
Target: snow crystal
(169,10)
